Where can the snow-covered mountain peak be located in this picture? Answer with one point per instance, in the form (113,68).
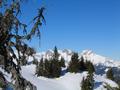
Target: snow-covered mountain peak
(93,57)
(98,59)
(67,51)
(87,54)
(66,54)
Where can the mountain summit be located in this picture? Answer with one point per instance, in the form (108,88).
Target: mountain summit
(87,54)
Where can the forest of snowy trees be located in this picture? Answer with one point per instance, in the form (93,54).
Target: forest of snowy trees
(15,52)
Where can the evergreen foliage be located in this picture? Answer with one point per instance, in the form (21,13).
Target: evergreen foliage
(90,67)
(1,85)
(35,61)
(40,68)
(110,74)
(55,64)
(46,68)
(55,68)
(62,62)
(82,64)
(88,83)
(108,87)
(2,80)
(50,68)
(118,82)
(74,63)
(13,37)
(56,54)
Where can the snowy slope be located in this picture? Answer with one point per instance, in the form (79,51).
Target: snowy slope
(67,82)
(70,81)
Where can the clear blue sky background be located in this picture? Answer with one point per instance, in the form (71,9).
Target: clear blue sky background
(78,25)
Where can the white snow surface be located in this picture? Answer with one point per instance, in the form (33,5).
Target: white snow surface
(69,81)
(98,59)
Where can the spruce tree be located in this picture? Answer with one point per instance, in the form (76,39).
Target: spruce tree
(43,68)
(74,63)
(88,83)
(13,37)
(56,54)
(91,80)
(82,64)
(56,68)
(35,61)
(50,68)
(110,74)
(62,62)
(40,68)
(90,67)
(83,84)
(47,68)
(55,65)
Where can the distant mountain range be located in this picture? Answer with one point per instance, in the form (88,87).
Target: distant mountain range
(72,81)
(87,54)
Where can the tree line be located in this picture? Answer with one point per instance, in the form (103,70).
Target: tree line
(53,68)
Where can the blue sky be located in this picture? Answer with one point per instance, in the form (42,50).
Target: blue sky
(78,25)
